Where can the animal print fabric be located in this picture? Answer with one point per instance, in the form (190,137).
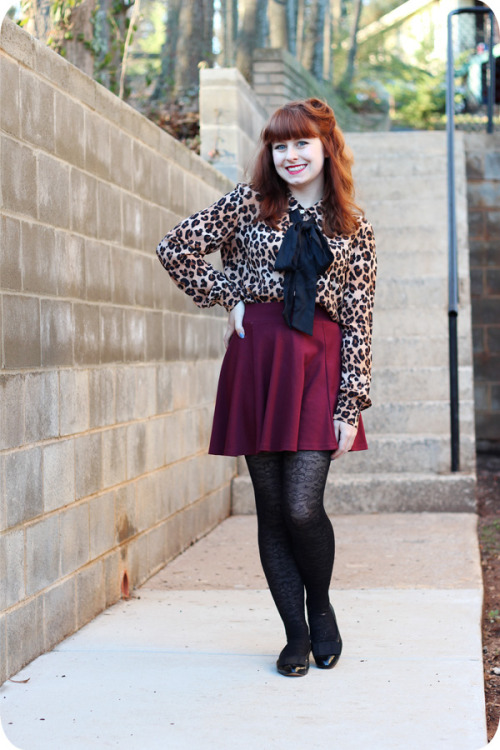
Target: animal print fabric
(248,250)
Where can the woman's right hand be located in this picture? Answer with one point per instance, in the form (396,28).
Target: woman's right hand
(235,323)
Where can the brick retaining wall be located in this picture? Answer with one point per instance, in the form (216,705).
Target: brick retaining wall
(483,176)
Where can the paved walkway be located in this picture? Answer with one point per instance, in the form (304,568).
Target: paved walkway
(188,663)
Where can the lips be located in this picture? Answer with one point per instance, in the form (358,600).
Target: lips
(296,168)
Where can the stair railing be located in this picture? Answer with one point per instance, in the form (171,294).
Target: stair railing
(452,231)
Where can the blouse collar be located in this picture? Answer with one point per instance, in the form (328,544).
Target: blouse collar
(314,211)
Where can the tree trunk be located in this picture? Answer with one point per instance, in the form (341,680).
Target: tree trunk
(251,35)
(312,50)
(39,22)
(190,51)
(229,32)
(165,81)
(65,36)
(291,24)
(301,13)
(278,31)
(353,45)
(82,30)
(208,31)
(328,44)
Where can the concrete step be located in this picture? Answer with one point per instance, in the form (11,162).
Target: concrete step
(393,166)
(401,265)
(412,321)
(416,244)
(415,145)
(422,239)
(417,351)
(414,292)
(371,188)
(389,493)
(408,384)
(417,417)
(428,454)
(399,453)
(408,212)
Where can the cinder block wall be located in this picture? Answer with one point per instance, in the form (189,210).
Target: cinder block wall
(231,118)
(108,371)
(278,77)
(483,191)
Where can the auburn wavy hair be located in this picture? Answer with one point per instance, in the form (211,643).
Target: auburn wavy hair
(308,118)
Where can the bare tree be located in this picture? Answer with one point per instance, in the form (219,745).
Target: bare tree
(291,9)
(208,31)
(229,32)
(65,29)
(251,34)
(313,37)
(39,22)
(165,81)
(278,26)
(190,48)
(353,45)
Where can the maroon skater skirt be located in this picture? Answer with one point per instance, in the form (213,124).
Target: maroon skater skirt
(278,387)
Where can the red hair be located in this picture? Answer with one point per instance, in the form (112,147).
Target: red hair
(310,118)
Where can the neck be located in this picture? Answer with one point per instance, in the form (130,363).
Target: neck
(308,195)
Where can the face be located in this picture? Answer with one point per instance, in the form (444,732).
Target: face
(299,162)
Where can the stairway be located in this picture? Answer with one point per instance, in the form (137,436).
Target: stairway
(401,184)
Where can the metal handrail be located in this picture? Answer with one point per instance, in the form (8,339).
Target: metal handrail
(452,229)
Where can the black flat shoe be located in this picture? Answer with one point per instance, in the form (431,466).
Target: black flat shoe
(327,653)
(292,662)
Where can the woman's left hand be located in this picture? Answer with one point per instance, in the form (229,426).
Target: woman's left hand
(345,434)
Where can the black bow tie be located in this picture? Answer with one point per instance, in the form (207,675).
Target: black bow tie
(304,255)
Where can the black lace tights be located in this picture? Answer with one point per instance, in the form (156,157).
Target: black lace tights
(296,540)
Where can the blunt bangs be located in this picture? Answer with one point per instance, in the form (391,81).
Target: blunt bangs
(289,124)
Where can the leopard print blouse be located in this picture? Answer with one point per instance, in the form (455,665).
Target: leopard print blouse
(248,249)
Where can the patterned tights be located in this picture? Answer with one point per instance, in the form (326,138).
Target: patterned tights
(296,540)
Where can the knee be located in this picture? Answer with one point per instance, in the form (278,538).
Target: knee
(300,517)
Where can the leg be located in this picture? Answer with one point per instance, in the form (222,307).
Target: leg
(275,547)
(313,541)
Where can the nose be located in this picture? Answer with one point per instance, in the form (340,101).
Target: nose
(291,153)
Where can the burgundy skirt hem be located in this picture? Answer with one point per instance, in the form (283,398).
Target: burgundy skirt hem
(278,387)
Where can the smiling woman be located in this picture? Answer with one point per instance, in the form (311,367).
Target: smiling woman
(298,283)
(300,164)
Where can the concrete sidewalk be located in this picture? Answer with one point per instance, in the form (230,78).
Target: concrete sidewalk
(189,662)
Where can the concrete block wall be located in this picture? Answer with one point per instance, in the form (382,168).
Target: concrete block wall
(108,372)
(483,194)
(278,77)
(231,119)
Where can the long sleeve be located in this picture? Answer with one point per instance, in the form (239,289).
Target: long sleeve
(355,317)
(182,251)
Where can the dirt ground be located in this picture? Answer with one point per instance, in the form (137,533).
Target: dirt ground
(488,495)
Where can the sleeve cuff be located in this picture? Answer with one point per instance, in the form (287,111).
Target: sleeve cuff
(349,409)
(224,293)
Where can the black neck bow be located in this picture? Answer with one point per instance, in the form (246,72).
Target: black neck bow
(304,255)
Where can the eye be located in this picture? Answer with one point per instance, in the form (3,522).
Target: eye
(302,143)
(278,146)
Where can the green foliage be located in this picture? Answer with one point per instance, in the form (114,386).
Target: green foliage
(415,86)
(422,103)
(493,615)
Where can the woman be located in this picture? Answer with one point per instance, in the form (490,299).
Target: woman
(298,283)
